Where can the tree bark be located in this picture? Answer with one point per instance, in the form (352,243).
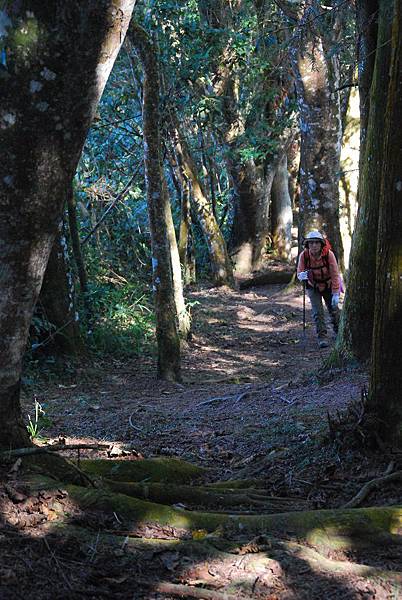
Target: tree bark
(367,30)
(158,207)
(53,75)
(350,172)
(250,228)
(57,301)
(320,126)
(186,250)
(183,317)
(184,244)
(386,364)
(219,259)
(76,243)
(358,314)
(281,211)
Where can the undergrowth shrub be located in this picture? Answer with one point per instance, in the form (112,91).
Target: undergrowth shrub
(123,319)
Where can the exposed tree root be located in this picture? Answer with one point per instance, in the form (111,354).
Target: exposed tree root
(317,527)
(268,278)
(236,484)
(57,467)
(150,470)
(372,485)
(185,591)
(196,539)
(316,559)
(206,497)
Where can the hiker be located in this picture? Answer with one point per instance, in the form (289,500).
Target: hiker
(318,270)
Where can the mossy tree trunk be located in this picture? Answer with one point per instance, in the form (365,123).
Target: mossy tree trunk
(56,301)
(358,313)
(386,364)
(53,76)
(164,298)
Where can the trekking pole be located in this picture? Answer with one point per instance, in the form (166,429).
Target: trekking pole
(304,315)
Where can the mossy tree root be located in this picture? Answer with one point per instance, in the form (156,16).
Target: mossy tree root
(196,496)
(316,527)
(145,470)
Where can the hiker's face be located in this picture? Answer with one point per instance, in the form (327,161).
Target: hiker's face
(314,247)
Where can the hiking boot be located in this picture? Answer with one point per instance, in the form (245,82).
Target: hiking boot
(323,343)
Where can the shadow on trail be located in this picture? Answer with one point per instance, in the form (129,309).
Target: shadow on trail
(254,335)
(98,551)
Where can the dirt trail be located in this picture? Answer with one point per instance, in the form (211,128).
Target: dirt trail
(253,404)
(251,390)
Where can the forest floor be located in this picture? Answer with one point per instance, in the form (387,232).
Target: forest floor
(253,404)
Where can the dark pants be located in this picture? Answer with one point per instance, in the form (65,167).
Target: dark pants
(316,298)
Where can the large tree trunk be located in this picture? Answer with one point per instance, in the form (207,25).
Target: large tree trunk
(51,82)
(358,313)
(250,228)
(316,70)
(158,208)
(219,259)
(281,211)
(386,365)
(57,301)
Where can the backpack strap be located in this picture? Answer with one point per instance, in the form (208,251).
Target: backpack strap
(324,279)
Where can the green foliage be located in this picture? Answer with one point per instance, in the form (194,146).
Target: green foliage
(38,422)
(247,38)
(124,322)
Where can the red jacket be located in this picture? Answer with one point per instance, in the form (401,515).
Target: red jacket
(318,270)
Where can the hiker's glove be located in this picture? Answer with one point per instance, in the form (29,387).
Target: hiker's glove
(302,276)
(335,300)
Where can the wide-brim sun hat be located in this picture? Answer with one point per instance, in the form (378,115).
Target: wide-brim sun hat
(314,236)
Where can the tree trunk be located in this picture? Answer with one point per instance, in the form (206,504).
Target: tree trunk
(358,313)
(186,250)
(183,316)
(320,128)
(386,365)
(367,28)
(75,242)
(250,228)
(281,211)
(57,302)
(164,296)
(52,79)
(349,173)
(184,245)
(220,263)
